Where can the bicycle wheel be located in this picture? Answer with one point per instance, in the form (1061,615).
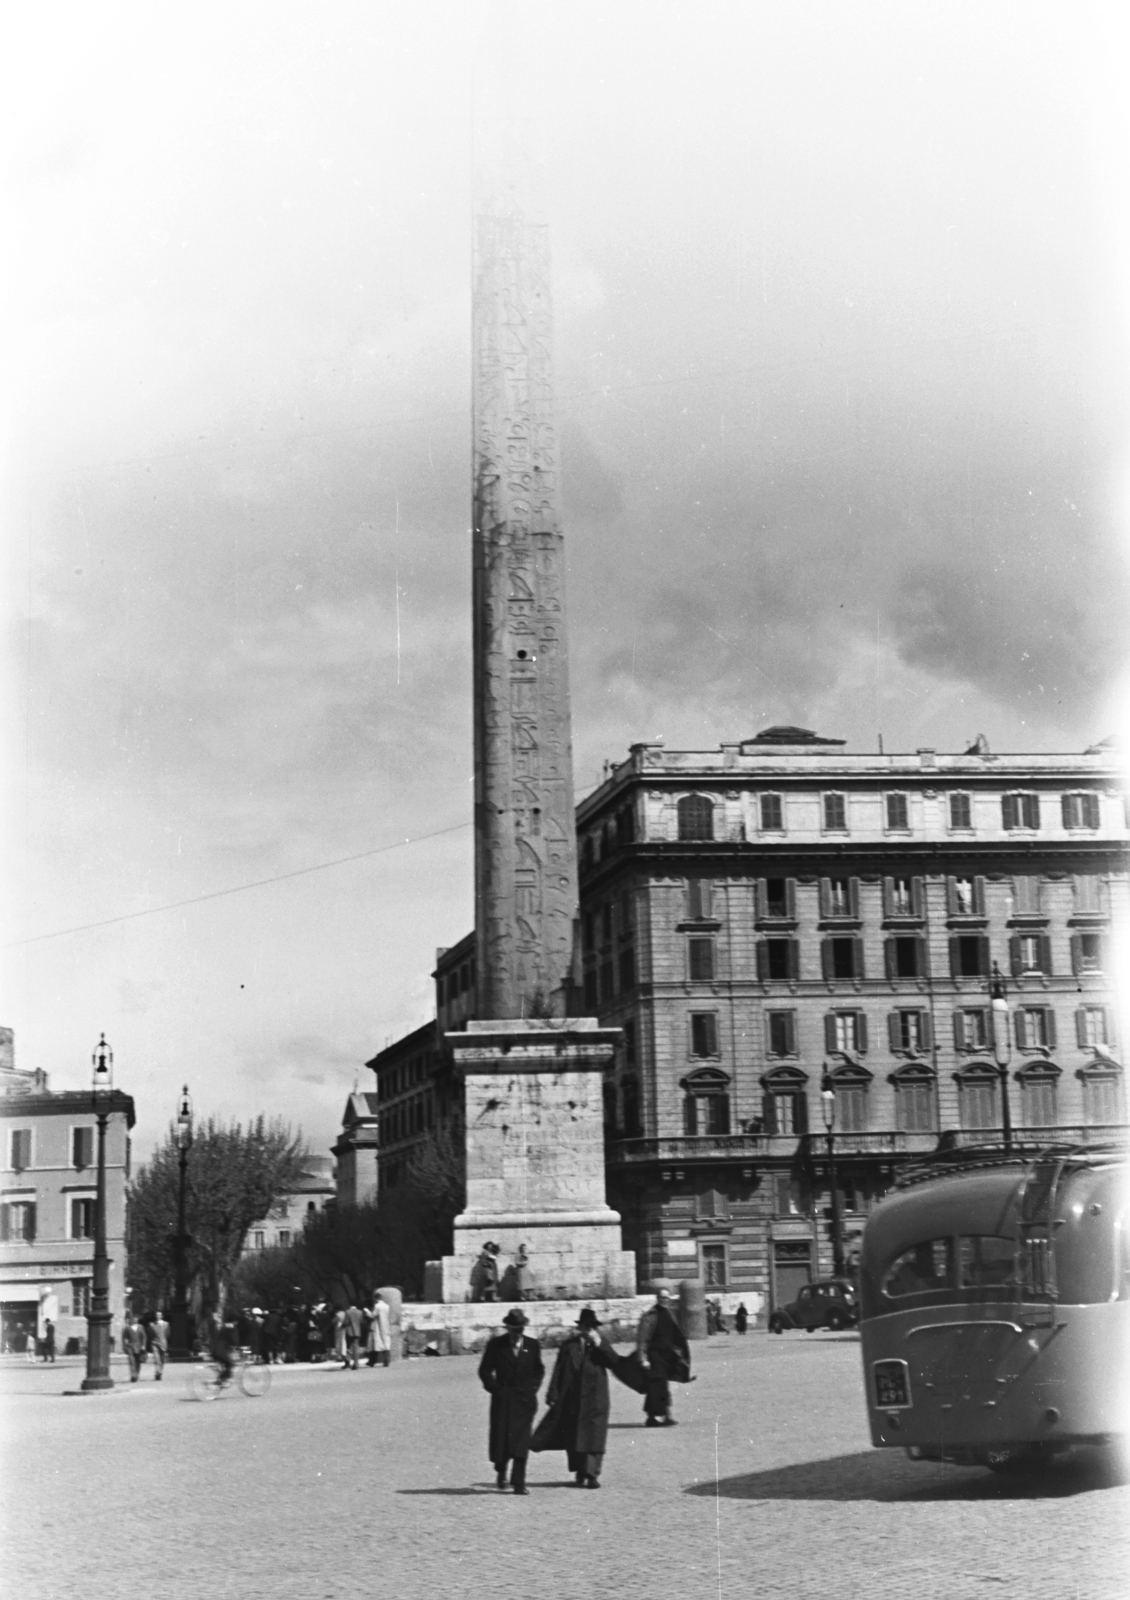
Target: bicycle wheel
(254,1379)
(205,1382)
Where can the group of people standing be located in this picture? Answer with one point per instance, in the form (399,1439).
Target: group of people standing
(577,1399)
(516,1283)
(143,1337)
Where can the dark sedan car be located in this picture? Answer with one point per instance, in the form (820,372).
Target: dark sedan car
(828,1303)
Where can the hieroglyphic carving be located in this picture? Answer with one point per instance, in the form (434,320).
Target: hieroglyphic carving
(525,843)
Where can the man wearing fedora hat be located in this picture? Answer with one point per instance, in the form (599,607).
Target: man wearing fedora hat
(577,1419)
(511,1372)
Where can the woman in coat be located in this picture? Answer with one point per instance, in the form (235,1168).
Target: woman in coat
(511,1372)
(577,1419)
(379,1343)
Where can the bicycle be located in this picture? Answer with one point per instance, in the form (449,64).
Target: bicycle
(253,1377)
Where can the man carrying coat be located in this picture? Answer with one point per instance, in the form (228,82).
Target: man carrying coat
(577,1397)
(511,1372)
(663,1349)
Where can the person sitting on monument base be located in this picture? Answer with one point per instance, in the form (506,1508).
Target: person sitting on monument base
(664,1350)
(511,1372)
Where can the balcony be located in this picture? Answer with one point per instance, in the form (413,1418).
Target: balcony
(766,1146)
(1070,1133)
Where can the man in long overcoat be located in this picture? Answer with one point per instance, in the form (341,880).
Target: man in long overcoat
(577,1419)
(663,1348)
(511,1372)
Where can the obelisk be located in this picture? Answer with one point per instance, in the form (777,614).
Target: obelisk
(532,1074)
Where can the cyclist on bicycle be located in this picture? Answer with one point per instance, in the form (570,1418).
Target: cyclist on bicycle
(222,1345)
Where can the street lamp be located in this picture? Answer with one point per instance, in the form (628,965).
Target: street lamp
(828,1107)
(178,1321)
(98,1317)
(1002,1047)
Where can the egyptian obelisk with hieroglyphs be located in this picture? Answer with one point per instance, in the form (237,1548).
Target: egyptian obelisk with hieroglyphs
(533,1075)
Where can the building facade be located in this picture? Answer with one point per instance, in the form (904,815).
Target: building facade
(315,1188)
(779,917)
(48,1183)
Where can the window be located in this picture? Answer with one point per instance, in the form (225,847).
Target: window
(915,1102)
(969,956)
(966,897)
(704,1033)
(82,1218)
(1035,1028)
(781,1030)
(1088,895)
(17,1221)
(839,897)
(1026,897)
(696,817)
(699,899)
(714,1265)
(926,1268)
(626,825)
(850,1105)
(776,899)
(777,960)
(700,954)
(785,1102)
(284,1238)
(786,1196)
(897,812)
(1081,810)
(977,1098)
(835,813)
(19,1149)
(1037,1099)
(906,958)
(1091,1027)
(845,1033)
(772,814)
(627,963)
(1102,1098)
(706,1114)
(1020,810)
(1030,953)
(82,1148)
(961,811)
(633,1127)
(971,1029)
(80,1297)
(258,1239)
(902,897)
(909,1031)
(1086,952)
(842,958)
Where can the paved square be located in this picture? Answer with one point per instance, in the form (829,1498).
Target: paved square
(341,1484)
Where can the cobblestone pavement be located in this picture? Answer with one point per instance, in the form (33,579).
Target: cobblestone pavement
(341,1484)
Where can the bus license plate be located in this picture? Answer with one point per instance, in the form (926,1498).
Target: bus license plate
(892,1385)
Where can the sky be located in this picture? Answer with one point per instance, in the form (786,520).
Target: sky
(841,337)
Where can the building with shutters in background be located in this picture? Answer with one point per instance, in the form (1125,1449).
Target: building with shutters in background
(48,1183)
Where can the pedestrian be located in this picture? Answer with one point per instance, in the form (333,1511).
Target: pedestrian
(339,1337)
(49,1341)
(352,1335)
(484,1274)
(133,1339)
(511,1372)
(663,1349)
(159,1343)
(741,1318)
(577,1397)
(379,1342)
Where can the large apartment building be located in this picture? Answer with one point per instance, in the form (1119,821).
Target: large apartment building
(778,920)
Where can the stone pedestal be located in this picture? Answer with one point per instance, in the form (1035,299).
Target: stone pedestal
(535,1158)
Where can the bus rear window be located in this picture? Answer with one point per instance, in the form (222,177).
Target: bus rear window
(972,1261)
(923,1269)
(986,1260)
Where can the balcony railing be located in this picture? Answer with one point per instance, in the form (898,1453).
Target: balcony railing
(881,1142)
(1068,1133)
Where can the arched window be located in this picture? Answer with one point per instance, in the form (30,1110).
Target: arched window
(785,1101)
(1038,1082)
(696,817)
(1103,1102)
(978,1087)
(916,1098)
(706,1102)
(849,1084)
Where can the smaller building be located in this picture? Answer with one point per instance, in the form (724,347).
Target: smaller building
(315,1188)
(48,1185)
(356,1149)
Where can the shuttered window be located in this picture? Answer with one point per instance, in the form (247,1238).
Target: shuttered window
(17,1222)
(772,813)
(845,1032)
(1035,1028)
(1080,810)
(902,897)
(909,1031)
(1037,1100)
(781,1033)
(842,958)
(1091,1027)
(835,813)
(699,899)
(704,1033)
(965,897)
(971,1029)
(914,1105)
(977,1102)
(851,1107)
(1020,811)
(1088,894)
(1086,953)
(1102,1098)
(776,899)
(19,1149)
(905,957)
(700,957)
(961,811)
(778,960)
(696,817)
(1030,953)
(969,956)
(1026,897)
(82,1219)
(839,897)
(82,1148)
(898,815)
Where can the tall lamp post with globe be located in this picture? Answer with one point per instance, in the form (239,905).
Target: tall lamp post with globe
(828,1107)
(179,1346)
(99,1316)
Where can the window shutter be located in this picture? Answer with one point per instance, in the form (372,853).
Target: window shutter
(829,1033)
(1076,953)
(800,1113)
(762,900)
(826,959)
(1045,955)
(1090,810)
(769,1111)
(1081,1027)
(925,1030)
(853,896)
(951,896)
(857,957)
(955,957)
(790,1032)
(794,958)
(986,962)
(958,1030)
(790,897)
(1014,954)
(923,958)
(979,896)
(1010,805)
(76,1219)
(5,1224)
(762,961)
(888,897)
(825,897)
(1031,804)
(1049,1018)
(1021,1030)
(889,957)
(916,897)
(894,1031)
(861,1032)
(29,1224)
(1067,808)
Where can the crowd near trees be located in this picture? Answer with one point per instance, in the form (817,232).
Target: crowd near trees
(236,1175)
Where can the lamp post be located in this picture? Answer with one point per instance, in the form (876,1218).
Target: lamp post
(98,1318)
(179,1349)
(828,1107)
(1002,1047)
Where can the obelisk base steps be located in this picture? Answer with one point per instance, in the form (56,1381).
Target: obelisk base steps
(535,1159)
